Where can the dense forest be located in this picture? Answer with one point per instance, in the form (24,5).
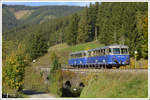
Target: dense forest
(19,15)
(109,23)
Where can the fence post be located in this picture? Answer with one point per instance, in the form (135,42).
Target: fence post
(135,55)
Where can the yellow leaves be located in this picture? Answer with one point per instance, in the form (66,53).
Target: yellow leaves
(138,64)
(145,26)
(17,71)
(87,48)
(87,78)
(14,71)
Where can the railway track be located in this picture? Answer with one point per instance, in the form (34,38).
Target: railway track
(97,70)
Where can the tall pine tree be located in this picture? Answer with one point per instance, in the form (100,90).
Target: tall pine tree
(72,32)
(84,28)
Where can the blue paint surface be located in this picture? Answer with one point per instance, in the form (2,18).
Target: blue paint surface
(101,60)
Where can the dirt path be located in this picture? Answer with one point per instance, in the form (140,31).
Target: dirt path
(34,94)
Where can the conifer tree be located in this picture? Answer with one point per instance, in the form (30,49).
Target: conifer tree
(72,33)
(84,28)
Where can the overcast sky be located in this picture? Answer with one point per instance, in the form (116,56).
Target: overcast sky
(48,3)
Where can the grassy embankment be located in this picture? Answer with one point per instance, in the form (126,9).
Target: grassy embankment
(117,85)
(62,51)
(33,77)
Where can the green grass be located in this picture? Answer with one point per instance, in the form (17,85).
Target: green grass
(62,51)
(84,46)
(117,85)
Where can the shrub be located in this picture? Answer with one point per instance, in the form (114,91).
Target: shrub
(14,69)
(55,76)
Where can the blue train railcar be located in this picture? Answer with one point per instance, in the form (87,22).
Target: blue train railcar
(113,55)
(78,58)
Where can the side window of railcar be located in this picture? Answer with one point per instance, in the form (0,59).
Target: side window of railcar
(106,51)
(89,53)
(103,52)
(92,53)
(95,53)
(124,51)
(99,52)
(71,56)
(77,55)
(84,54)
(80,55)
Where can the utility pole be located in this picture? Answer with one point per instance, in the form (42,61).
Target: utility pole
(135,55)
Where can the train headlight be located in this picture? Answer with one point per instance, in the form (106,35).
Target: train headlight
(80,62)
(96,60)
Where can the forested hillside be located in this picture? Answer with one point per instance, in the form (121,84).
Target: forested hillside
(18,15)
(109,23)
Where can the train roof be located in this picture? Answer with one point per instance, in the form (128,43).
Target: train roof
(109,46)
(116,46)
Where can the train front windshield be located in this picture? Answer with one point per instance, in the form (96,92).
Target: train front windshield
(116,50)
(124,51)
(120,51)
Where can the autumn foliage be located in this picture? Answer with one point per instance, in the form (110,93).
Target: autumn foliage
(13,71)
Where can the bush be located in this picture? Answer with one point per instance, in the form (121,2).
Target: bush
(14,70)
(56,83)
(55,76)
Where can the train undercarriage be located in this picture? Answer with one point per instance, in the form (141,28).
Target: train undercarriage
(96,66)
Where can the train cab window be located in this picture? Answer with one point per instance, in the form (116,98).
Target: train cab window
(84,54)
(99,52)
(103,51)
(89,54)
(71,56)
(116,50)
(92,53)
(79,55)
(124,51)
(106,51)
